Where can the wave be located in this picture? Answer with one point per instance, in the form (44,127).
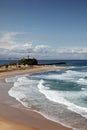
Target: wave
(58,97)
(14,91)
(38,92)
(82,81)
(21,88)
(19,91)
(68,76)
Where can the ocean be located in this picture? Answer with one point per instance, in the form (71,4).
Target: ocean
(3,62)
(59,95)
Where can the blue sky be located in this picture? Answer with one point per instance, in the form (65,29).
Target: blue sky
(45,29)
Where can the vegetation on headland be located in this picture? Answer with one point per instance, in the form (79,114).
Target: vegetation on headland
(24,61)
(21,64)
(28,61)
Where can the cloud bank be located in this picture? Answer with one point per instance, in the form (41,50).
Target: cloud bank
(9,47)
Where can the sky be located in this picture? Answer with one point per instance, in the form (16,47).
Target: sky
(44,29)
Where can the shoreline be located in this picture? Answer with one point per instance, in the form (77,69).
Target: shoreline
(34,69)
(27,117)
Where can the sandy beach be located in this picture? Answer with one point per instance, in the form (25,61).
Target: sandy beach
(9,125)
(15,71)
(14,115)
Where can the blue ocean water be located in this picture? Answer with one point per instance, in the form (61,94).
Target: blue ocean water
(68,62)
(60,95)
(3,62)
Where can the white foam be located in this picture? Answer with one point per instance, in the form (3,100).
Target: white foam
(82,81)
(69,75)
(83,89)
(15,78)
(16,94)
(14,91)
(59,97)
(11,79)
(18,91)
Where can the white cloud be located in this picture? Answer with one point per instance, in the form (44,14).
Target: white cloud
(23,48)
(41,49)
(10,48)
(6,41)
(72,50)
(8,36)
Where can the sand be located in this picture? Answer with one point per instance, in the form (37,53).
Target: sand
(9,125)
(14,116)
(34,69)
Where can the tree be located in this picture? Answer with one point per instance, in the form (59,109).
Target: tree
(28,61)
(6,66)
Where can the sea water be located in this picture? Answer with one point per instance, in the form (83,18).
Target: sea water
(59,95)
